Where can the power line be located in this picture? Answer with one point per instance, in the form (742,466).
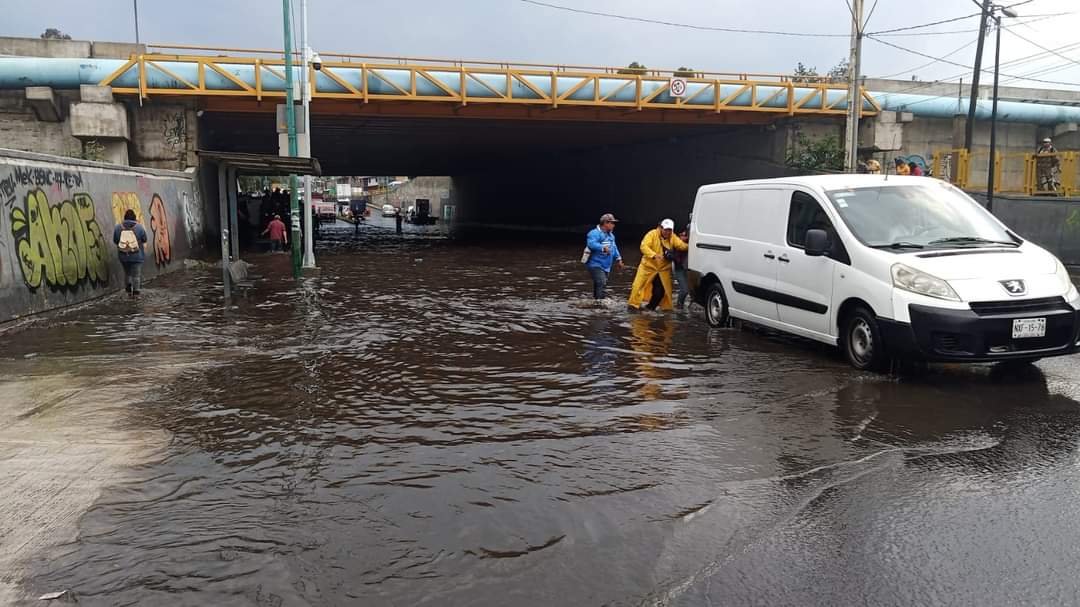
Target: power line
(709,28)
(921,54)
(926,65)
(915,27)
(1030,19)
(1036,44)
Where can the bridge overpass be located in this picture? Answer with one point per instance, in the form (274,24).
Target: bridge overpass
(526,143)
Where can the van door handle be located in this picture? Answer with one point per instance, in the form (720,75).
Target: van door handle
(784,258)
(769,255)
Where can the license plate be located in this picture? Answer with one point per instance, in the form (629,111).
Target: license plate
(1029,327)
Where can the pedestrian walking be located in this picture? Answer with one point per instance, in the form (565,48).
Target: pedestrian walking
(914,169)
(278,234)
(902,167)
(601,253)
(1047,167)
(130,237)
(652,284)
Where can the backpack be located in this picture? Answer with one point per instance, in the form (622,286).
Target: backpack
(129,241)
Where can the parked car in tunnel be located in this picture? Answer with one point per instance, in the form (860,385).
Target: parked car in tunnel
(883,267)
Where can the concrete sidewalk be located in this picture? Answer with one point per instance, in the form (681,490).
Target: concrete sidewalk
(64,436)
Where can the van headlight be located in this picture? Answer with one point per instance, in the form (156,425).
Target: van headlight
(1067,285)
(910,279)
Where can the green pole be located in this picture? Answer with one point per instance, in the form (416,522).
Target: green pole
(290,120)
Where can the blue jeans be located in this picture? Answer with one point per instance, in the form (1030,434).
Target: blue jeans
(132,276)
(599,282)
(276,245)
(679,273)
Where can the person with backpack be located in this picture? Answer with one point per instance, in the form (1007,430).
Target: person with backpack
(129,238)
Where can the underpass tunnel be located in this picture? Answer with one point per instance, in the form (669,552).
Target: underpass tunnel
(532,173)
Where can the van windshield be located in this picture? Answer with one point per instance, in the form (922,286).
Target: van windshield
(931,215)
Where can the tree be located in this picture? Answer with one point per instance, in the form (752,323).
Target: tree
(840,71)
(53,33)
(824,154)
(634,68)
(686,72)
(837,73)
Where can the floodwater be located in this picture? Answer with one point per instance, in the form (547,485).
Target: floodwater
(443,422)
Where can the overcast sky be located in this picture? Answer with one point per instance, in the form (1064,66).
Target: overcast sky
(514,30)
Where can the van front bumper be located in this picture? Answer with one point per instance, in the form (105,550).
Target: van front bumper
(940,334)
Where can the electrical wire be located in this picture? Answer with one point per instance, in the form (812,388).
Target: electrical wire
(731,30)
(926,65)
(1036,44)
(987,71)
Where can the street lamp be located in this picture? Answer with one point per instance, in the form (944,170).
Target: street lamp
(994,13)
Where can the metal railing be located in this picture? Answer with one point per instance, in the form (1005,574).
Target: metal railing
(1054,174)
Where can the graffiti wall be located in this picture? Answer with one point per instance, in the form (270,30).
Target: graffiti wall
(57,224)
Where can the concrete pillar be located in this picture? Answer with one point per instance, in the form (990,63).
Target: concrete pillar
(223,215)
(234,221)
(98,119)
(43,101)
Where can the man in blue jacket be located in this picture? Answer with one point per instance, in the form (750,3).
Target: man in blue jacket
(602,254)
(129,238)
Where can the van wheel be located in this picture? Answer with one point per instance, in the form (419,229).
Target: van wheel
(861,341)
(716,308)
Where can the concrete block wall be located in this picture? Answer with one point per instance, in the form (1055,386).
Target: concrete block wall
(164,135)
(21,130)
(57,217)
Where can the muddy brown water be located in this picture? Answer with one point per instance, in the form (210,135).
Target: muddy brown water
(442,422)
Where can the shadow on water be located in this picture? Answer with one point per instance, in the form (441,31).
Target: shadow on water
(442,421)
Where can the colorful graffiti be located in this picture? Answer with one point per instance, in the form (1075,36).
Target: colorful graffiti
(60,246)
(159,225)
(126,201)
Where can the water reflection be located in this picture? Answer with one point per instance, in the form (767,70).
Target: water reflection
(444,422)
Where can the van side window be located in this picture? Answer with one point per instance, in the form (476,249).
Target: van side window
(805,214)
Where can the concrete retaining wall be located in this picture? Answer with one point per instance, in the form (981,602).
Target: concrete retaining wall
(435,189)
(57,220)
(1053,224)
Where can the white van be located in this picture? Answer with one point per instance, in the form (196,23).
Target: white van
(883,267)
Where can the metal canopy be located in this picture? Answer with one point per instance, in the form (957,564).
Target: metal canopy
(263,164)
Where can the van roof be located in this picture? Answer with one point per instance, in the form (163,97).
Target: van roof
(822,182)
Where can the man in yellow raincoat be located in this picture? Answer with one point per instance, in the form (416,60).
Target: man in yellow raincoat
(652,285)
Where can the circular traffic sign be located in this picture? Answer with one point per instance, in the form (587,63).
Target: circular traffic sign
(677,87)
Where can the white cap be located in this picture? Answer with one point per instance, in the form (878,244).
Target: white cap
(1047,140)
(667,224)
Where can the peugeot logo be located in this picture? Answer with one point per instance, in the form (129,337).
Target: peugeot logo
(1014,287)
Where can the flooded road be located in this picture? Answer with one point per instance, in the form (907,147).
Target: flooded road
(437,422)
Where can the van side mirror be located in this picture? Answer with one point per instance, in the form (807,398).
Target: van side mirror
(817,242)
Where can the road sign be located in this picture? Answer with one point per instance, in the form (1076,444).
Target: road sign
(677,87)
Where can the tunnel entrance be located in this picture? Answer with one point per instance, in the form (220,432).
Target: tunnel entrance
(533,173)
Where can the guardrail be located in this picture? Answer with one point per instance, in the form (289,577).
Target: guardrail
(1031,174)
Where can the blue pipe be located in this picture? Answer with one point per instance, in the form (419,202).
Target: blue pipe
(20,72)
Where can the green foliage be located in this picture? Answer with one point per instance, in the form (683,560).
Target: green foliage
(53,33)
(824,154)
(837,73)
(634,68)
(686,72)
(92,150)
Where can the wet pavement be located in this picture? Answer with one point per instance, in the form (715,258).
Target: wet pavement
(441,422)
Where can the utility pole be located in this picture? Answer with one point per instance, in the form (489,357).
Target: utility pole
(969,126)
(136,22)
(851,136)
(290,121)
(993,121)
(305,97)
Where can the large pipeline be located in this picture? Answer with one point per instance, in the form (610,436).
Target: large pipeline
(60,73)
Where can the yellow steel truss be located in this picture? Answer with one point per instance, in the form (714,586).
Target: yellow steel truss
(802,98)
